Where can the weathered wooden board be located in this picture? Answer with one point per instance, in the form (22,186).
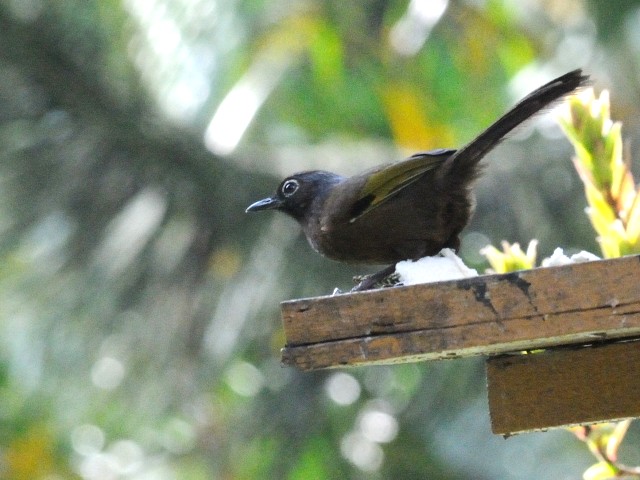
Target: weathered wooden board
(573,304)
(564,387)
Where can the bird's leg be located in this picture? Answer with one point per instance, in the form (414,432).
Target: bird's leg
(371,280)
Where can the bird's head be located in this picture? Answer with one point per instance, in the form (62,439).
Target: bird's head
(298,194)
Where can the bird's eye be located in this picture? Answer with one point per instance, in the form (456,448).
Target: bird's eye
(290,187)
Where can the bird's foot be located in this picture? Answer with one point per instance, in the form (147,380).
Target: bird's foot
(370,281)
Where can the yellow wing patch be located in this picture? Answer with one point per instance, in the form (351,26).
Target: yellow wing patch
(384,184)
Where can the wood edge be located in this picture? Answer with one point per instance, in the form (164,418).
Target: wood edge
(463,282)
(353,352)
(293,311)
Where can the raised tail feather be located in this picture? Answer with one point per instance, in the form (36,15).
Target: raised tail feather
(463,165)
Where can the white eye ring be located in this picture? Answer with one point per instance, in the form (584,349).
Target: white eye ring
(290,187)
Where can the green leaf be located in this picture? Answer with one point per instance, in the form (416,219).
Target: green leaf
(616,438)
(633,221)
(599,471)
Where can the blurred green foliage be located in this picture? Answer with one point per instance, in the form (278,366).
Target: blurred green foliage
(139,318)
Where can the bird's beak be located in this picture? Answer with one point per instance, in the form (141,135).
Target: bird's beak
(264,204)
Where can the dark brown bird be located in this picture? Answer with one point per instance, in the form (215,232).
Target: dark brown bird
(404,210)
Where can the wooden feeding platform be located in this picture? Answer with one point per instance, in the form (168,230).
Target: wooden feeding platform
(584,317)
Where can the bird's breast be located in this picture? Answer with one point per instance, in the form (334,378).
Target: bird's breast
(415,223)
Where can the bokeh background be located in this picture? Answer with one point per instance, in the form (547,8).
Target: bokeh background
(139,305)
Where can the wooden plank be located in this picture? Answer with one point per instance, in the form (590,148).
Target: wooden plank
(479,316)
(490,298)
(564,387)
(475,339)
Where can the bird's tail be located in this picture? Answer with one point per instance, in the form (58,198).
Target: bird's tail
(463,165)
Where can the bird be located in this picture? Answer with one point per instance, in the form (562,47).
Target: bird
(404,210)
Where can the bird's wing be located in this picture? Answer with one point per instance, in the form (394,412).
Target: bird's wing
(388,181)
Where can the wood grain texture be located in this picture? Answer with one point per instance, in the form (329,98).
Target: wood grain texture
(564,387)
(486,315)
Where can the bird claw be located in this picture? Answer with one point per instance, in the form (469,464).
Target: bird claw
(370,281)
